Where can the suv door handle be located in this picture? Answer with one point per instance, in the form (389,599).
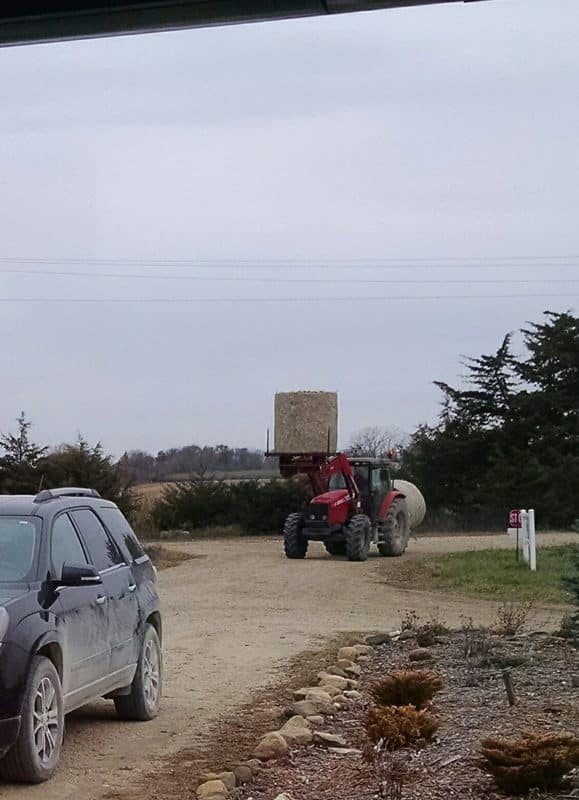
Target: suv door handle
(101,599)
(132,587)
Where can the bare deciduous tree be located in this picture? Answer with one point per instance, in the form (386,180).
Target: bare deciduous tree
(375,441)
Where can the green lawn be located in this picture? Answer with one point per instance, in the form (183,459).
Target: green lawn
(496,574)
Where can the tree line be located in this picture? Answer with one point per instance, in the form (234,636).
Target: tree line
(509,437)
(143,467)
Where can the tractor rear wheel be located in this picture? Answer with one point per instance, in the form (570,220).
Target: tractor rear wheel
(394,530)
(358,538)
(336,548)
(294,544)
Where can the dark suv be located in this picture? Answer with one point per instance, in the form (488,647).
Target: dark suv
(79,620)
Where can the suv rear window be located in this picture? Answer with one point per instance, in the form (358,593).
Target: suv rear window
(121,530)
(102,550)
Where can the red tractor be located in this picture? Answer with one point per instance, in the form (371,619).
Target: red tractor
(354,505)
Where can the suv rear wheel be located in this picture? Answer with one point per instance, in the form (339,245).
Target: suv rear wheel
(142,703)
(34,757)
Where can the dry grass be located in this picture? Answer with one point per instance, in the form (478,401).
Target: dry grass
(400,726)
(512,617)
(166,557)
(406,688)
(535,760)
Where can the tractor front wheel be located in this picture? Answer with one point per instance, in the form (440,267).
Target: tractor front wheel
(394,530)
(294,544)
(358,538)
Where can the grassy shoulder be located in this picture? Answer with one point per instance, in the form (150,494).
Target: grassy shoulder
(494,574)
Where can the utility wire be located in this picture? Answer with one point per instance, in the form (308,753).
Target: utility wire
(433,262)
(261,279)
(213,300)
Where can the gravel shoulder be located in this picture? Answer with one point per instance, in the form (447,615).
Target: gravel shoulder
(232,616)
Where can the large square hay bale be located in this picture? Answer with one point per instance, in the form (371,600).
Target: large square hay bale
(305,420)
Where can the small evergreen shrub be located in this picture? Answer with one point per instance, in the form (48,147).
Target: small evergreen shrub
(535,760)
(406,688)
(400,726)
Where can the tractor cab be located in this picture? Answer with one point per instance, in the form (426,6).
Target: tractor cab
(373,479)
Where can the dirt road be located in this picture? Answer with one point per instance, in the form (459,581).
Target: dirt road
(233,614)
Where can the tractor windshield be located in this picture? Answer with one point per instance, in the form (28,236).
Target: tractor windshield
(337,481)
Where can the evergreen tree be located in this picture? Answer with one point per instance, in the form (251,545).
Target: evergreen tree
(19,465)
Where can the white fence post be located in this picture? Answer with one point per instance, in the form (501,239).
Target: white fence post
(525,533)
(532,540)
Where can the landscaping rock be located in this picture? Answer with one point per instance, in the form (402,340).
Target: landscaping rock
(354,694)
(228,778)
(313,707)
(315,720)
(272,746)
(364,649)
(344,663)
(284,796)
(420,654)
(337,671)
(243,773)
(329,739)
(406,635)
(355,669)
(297,736)
(309,692)
(347,653)
(318,693)
(379,639)
(212,790)
(297,721)
(331,690)
(205,777)
(333,680)
(345,751)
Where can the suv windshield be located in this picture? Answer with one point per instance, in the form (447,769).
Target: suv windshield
(17,547)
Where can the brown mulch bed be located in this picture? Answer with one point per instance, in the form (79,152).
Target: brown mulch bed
(471,705)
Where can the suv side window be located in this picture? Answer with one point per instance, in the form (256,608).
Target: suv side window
(102,550)
(121,530)
(65,545)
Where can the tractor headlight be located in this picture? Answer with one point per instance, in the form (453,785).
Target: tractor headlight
(4,622)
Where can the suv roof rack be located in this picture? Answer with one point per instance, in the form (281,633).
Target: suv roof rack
(64,491)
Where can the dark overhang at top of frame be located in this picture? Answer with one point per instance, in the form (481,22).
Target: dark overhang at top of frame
(29,21)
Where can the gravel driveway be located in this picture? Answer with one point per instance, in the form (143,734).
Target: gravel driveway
(233,614)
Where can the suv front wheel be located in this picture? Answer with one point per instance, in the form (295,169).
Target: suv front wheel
(34,756)
(142,702)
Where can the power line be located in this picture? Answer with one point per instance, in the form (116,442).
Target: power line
(432,262)
(235,300)
(261,279)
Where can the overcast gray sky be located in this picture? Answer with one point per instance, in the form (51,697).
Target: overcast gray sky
(428,133)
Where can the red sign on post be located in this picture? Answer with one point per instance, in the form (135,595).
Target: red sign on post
(515,519)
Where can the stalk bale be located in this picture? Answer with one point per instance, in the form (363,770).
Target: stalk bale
(303,420)
(414,500)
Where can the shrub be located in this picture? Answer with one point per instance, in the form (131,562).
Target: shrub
(476,641)
(400,726)
(254,506)
(535,760)
(512,617)
(409,621)
(406,688)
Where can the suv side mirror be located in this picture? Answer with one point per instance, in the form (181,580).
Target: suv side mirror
(79,575)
